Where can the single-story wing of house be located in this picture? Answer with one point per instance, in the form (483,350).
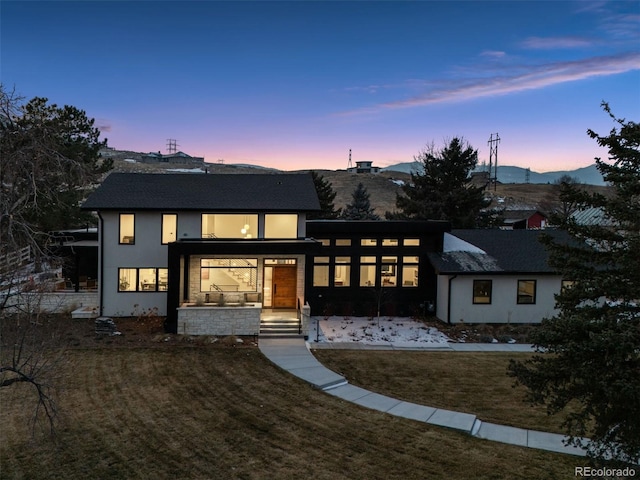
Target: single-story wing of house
(495,276)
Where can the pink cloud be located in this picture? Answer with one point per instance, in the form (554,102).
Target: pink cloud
(536,77)
(493,54)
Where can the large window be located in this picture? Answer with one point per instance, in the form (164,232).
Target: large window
(229,226)
(342,275)
(142,279)
(367,271)
(228,274)
(320,271)
(482,291)
(389,272)
(169,227)
(368,242)
(281,226)
(127,229)
(526,291)
(410,271)
(343,242)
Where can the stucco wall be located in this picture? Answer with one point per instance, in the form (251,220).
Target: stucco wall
(503,307)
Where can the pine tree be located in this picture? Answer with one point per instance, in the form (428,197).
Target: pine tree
(590,351)
(360,206)
(441,191)
(326,196)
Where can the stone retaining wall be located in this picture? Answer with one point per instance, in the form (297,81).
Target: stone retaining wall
(220,321)
(54,302)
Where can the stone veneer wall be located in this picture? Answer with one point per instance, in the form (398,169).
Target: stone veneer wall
(219,320)
(54,302)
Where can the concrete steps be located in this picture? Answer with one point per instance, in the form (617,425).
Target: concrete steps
(285,327)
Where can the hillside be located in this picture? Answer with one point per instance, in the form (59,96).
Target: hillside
(382,187)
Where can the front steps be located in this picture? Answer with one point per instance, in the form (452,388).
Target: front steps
(279,327)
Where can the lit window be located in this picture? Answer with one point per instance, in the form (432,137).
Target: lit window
(367,271)
(342,275)
(324,241)
(482,291)
(411,242)
(228,274)
(321,271)
(169,227)
(280,226)
(526,291)
(390,242)
(143,279)
(388,272)
(127,279)
(127,228)
(229,226)
(343,242)
(410,271)
(368,242)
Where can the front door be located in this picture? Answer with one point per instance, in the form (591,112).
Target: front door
(284,286)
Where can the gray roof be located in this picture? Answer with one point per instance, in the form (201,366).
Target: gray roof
(507,251)
(188,191)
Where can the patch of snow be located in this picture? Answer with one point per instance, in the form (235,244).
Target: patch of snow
(185,170)
(455,244)
(130,160)
(396,331)
(400,183)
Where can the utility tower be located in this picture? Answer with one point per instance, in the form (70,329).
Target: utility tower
(527,175)
(349,165)
(493,160)
(171,145)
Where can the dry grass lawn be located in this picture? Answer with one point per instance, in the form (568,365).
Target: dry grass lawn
(467,382)
(172,411)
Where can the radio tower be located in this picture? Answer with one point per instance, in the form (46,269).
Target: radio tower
(493,160)
(171,145)
(349,165)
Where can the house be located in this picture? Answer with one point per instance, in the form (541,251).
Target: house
(169,240)
(523,219)
(495,276)
(364,167)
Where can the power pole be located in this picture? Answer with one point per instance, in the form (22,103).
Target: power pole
(172,145)
(493,159)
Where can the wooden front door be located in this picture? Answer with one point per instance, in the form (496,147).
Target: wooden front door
(284,287)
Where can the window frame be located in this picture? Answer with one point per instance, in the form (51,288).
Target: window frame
(321,263)
(489,297)
(520,299)
(120,237)
(137,288)
(162,224)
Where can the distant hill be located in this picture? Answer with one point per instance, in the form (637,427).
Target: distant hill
(509,174)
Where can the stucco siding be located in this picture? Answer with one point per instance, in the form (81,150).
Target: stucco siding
(503,307)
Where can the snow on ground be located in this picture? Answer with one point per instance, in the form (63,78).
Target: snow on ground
(185,170)
(396,331)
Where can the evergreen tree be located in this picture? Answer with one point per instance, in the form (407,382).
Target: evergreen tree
(590,351)
(441,190)
(360,206)
(326,195)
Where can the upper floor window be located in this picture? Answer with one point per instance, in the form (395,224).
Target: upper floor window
(368,242)
(127,229)
(526,291)
(324,241)
(343,242)
(411,242)
(169,227)
(389,242)
(224,225)
(280,226)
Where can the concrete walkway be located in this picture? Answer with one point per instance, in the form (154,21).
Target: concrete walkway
(293,355)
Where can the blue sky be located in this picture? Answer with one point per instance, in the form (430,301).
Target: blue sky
(295,85)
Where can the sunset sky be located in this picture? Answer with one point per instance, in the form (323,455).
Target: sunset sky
(295,85)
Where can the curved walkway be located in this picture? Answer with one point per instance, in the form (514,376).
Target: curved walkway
(293,355)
